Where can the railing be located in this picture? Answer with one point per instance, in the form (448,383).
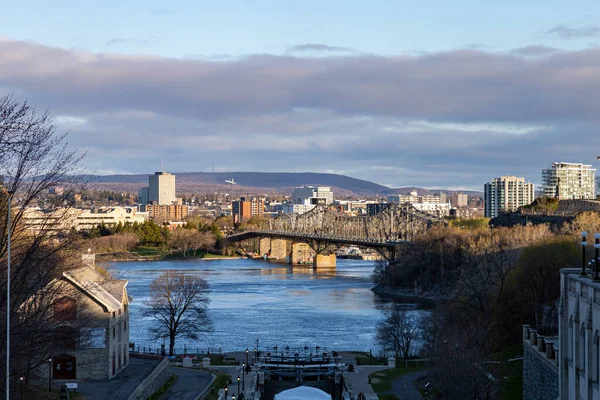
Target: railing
(543,339)
(178,351)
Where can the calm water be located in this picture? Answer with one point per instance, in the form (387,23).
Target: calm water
(279,305)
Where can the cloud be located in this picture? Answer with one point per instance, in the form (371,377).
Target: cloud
(131,41)
(318,48)
(534,51)
(457,118)
(567,32)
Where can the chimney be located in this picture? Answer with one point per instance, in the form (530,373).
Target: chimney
(89,259)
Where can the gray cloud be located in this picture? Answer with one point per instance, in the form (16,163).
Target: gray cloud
(567,32)
(118,41)
(318,48)
(534,51)
(455,118)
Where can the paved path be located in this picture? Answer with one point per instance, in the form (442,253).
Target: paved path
(121,386)
(404,387)
(359,380)
(190,383)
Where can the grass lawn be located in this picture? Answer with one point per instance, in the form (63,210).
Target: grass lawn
(364,359)
(509,374)
(219,383)
(382,381)
(42,393)
(164,388)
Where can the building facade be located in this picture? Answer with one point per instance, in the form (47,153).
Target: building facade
(579,335)
(161,188)
(459,200)
(171,212)
(312,195)
(244,209)
(506,194)
(434,204)
(91,336)
(568,181)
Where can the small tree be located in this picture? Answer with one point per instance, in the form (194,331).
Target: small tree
(179,303)
(397,332)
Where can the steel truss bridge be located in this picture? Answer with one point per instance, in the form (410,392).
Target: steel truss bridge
(322,228)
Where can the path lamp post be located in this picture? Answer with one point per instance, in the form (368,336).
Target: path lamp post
(583,245)
(226,392)
(370,356)
(243,377)
(233,396)
(238,385)
(246,356)
(8,223)
(596,248)
(50,374)
(21,387)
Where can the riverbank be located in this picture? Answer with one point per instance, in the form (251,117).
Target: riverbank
(155,254)
(425,299)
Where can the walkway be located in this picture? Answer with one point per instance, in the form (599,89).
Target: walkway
(358,381)
(121,386)
(190,383)
(404,387)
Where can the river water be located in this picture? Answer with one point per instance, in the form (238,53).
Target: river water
(279,305)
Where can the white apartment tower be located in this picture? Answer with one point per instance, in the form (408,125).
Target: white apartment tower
(506,194)
(569,181)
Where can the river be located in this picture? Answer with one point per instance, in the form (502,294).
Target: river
(279,305)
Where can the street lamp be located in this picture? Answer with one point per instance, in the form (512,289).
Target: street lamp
(238,385)
(8,223)
(243,376)
(21,387)
(583,245)
(233,396)
(246,356)
(50,374)
(370,356)
(226,392)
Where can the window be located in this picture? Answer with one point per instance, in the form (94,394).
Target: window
(581,349)
(119,312)
(113,314)
(125,307)
(65,338)
(65,309)
(114,332)
(125,326)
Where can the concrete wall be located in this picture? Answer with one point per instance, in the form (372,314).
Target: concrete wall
(323,261)
(153,382)
(540,375)
(279,249)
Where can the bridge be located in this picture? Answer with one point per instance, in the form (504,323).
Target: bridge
(322,229)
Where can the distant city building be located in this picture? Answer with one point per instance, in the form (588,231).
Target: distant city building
(569,181)
(432,204)
(506,194)
(312,195)
(297,208)
(459,200)
(242,209)
(167,212)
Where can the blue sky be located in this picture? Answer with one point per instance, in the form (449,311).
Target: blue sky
(443,94)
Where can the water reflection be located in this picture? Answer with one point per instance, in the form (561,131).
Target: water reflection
(280,305)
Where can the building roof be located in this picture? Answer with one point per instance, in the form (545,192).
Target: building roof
(303,393)
(108,293)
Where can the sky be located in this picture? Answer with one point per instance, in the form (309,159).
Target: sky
(436,94)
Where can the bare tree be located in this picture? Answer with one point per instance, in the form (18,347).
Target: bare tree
(397,332)
(179,304)
(33,158)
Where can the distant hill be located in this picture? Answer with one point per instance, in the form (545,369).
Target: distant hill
(258,183)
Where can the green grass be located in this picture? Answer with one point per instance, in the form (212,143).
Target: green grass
(219,383)
(41,393)
(164,388)
(147,251)
(510,375)
(382,381)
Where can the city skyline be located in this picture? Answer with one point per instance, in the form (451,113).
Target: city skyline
(401,96)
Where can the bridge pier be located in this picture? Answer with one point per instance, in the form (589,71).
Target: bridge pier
(324,261)
(301,253)
(275,248)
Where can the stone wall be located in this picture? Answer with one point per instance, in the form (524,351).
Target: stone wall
(153,382)
(301,253)
(324,261)
(540,375)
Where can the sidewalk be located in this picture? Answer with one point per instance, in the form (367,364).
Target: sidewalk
(358,382)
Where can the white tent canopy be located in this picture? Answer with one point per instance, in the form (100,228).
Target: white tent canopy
(303,393)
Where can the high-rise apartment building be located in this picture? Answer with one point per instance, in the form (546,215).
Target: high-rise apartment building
(242,209)
(459,200)
(506,194)
(159,200)
(569,181)
(312,195)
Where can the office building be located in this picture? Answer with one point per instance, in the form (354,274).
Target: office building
(159,199)
(435,204)
(312,195)
(567,181)
(297,208)
(161,188)
(506,194)
(244,209)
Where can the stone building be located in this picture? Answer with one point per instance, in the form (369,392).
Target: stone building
(91,312)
